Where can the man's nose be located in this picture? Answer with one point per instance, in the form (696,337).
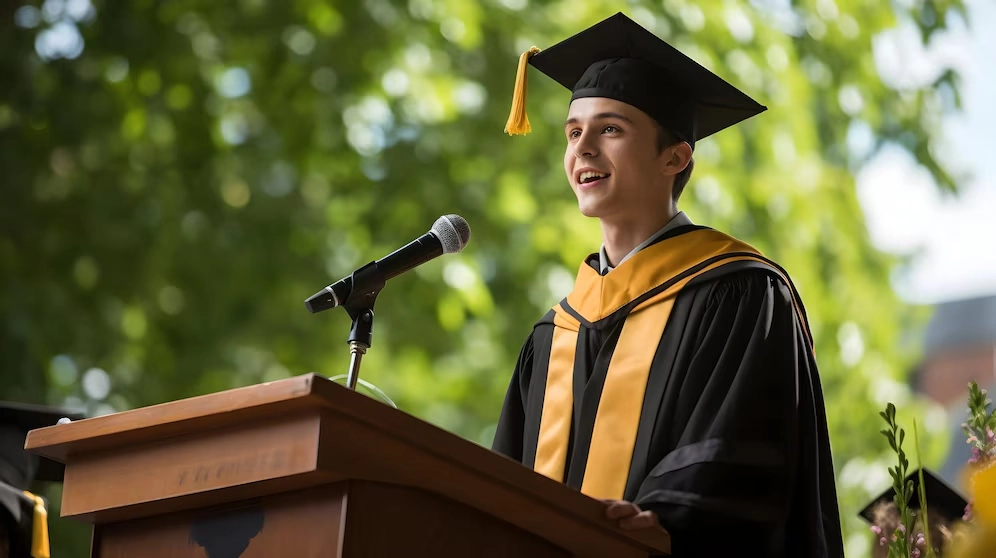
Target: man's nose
(586,145)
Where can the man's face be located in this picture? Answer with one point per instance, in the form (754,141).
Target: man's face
(612,160)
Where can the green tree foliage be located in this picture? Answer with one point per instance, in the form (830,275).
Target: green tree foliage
(177,177)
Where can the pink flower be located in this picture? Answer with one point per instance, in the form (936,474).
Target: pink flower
(902,528)
(915,553)
(882,541)
(972,440)
(920,540)
(976,455)
(968,512)
(990,436)
(876,529)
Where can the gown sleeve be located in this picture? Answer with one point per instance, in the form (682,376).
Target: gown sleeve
(510,433)
(743,409)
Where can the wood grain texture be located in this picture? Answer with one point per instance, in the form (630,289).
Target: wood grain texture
(456,477)
(339,434)
(389,520)
(177,417)
(199,462)
(352,519)
(414,453)
(304,524)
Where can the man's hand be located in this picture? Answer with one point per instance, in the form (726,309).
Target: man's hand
(629,516)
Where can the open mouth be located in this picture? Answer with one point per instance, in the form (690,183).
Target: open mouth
(591,177)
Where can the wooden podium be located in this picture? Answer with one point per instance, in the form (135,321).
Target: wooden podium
(304,467)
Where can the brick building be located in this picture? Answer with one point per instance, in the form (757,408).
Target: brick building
(959,346)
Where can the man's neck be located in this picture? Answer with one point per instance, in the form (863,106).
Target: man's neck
(620,237)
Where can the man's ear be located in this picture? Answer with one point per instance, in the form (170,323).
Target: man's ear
(676,158)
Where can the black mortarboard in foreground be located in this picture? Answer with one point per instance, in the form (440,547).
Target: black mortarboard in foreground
(941,498)
(23,516)
(18,467)
(619,59)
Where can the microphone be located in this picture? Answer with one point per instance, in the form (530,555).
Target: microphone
(448,234)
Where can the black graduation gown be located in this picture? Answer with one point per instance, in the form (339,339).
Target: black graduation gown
(731,448)
(16,520)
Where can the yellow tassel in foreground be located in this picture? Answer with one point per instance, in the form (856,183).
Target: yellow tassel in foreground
(39,528)
(518,122)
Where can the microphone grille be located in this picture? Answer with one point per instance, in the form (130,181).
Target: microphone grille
(453,233)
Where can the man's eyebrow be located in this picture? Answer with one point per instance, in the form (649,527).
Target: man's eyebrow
(600,116)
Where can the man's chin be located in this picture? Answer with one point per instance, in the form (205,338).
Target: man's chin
(589,211)
(593,210)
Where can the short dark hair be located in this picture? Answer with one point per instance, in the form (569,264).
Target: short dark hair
(665,139)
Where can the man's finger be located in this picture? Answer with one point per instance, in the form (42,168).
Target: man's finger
(642,520)
(620,509)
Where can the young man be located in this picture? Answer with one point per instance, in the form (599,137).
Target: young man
(677,381)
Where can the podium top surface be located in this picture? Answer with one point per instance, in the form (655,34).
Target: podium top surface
(448,465)
(213,410)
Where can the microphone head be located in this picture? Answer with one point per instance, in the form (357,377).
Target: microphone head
(453,232)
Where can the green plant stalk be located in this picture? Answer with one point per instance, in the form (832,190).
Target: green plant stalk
(923,495)
(900,547)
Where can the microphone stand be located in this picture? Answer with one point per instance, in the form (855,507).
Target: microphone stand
(368,281)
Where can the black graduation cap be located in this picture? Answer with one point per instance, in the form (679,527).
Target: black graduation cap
(941,498)
(18,467)
(618,59)
(22,514)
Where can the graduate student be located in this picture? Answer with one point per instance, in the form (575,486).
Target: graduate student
(677,381)
(23,515)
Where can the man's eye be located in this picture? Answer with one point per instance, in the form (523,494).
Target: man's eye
(575,133)
(610,129)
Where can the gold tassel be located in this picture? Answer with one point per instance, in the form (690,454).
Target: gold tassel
(518,122)
(39,528)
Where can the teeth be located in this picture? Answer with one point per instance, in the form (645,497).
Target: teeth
(591,175)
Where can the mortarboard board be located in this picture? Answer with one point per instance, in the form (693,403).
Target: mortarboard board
(941,498)
(17,466)
(22,514)
(618,59)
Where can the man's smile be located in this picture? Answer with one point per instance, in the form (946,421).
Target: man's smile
(588,177)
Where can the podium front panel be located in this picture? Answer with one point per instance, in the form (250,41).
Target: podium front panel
(343,520)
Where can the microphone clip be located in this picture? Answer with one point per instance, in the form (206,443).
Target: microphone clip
(367,281)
